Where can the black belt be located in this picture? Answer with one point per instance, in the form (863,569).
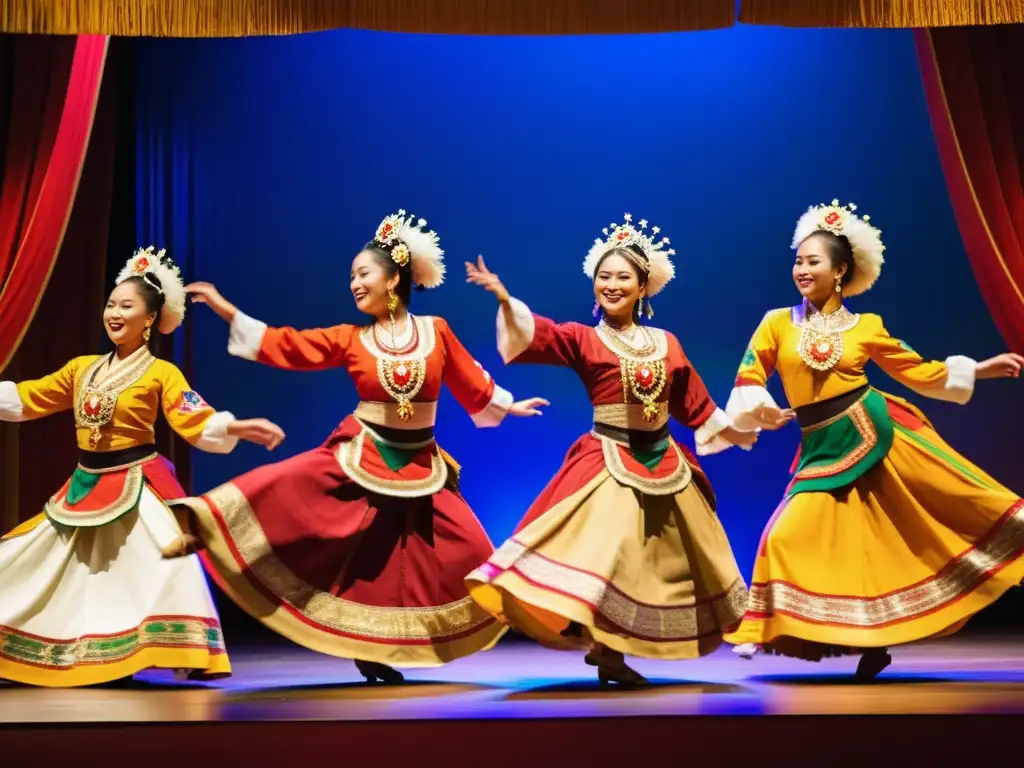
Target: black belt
(635,438)
(108,459)
(816,413)
(393,435)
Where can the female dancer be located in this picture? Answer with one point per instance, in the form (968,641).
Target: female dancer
(622,553)
(886,535)
(358,548)
(85,595)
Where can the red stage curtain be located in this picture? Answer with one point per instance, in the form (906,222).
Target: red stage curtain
(48,91)
(974,83)
(55,89)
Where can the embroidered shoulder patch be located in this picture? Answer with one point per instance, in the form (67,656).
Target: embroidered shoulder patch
(749,358)
(191,402)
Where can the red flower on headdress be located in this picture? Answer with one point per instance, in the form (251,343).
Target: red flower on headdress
(141,265)
(622,234)
(833,218)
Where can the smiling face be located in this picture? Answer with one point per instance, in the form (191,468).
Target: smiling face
(370,281)
(617,287)
(814,271)
(126,315)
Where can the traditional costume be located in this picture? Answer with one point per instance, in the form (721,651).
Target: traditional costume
(358,548)
(86,595)
(885,535)
(624,546)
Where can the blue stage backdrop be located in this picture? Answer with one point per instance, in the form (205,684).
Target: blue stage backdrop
(267,163)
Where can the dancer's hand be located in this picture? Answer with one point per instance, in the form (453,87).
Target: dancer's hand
(207,293)
(1005,366)
(259,431)
(529,407)
(742,439)
(772,417)
(479,274)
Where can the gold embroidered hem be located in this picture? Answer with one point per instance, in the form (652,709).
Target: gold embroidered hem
(247,569)
(915,548)
(626,573)
(177,642)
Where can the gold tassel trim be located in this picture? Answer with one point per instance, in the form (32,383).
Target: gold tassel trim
(881,13)
(241,18)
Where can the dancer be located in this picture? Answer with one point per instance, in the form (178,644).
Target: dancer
(886,535)
(86,596)
(358,548)
(622,553)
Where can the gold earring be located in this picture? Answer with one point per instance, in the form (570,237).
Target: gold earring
(839,284)
(146,334)
(392,300)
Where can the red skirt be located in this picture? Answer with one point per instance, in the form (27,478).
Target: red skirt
(344,570)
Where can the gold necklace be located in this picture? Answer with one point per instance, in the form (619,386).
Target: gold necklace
(646,381)
(402,378)
(618,339)
(821,338)
(95,404)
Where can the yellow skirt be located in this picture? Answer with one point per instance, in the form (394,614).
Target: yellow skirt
(911,550)
(649,576)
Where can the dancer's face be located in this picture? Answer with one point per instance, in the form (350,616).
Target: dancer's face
(617,287)
(125,316)
(369,283)
(813,273)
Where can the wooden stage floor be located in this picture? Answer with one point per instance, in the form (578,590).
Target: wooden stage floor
(979,680)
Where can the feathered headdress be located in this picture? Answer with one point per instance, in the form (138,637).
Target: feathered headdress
(653,257)
(145,262)
(865,239)
(405,239)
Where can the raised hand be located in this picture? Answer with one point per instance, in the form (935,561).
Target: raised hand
(770,417)
(529,407)
(479,274)
(207,293)
(259,431)
(1005,366)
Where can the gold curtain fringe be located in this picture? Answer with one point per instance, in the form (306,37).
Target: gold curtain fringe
(240,18)
(881,13)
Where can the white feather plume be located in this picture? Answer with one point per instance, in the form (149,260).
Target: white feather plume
(421,245)
(865,239)
(146,261)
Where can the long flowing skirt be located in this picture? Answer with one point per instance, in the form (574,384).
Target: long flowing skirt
(81,606)
(914,548)
(646,575)
(345,571)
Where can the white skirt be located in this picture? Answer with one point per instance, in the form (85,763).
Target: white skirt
(80,606)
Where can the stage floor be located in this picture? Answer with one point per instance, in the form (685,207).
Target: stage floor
(518,680)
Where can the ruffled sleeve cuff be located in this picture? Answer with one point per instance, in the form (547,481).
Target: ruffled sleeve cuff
(215,437)
(516,329)
(961,373)
(496,410)
(744,402)
(707,439)
(11,407)
(246,336)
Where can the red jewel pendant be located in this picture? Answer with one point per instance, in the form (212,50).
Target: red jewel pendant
(400,375)
(644,377)
(821,350)
(92,406)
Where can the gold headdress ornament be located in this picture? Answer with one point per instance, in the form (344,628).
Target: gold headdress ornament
(865,239)
(405,238)
(145,262)
(656,260)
